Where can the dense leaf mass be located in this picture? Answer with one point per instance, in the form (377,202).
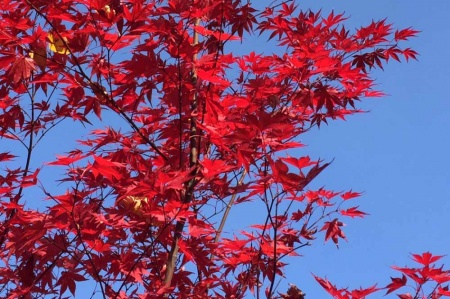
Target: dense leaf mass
(179,121)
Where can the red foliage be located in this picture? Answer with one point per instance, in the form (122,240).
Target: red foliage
(177,128)
(426,282)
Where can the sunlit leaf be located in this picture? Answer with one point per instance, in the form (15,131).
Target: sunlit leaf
(57,45)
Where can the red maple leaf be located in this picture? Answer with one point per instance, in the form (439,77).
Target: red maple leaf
(22,68)
(333,230)
(353,212)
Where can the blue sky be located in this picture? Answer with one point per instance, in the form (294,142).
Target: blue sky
(397,154)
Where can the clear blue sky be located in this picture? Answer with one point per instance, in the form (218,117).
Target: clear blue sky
(397,154)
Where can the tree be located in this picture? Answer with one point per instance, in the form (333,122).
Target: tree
(182,128)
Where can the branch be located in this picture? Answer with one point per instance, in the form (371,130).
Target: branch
(193,161)
(227,211)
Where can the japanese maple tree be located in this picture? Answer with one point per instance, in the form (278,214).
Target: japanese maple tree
(176,121)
